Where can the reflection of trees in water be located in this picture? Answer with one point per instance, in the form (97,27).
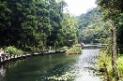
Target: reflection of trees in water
(2,72)
(3,69)
(46,68)
(60,72)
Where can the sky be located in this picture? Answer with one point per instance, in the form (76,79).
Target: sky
(77,7)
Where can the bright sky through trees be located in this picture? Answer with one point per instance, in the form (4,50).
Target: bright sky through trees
(77,7)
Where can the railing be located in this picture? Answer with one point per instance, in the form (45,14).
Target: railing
(93,46)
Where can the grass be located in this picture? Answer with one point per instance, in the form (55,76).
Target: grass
(120,66)
(105,63)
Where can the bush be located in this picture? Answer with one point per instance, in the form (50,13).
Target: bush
(75,49)
(13,50)
(120,65)
(106,63)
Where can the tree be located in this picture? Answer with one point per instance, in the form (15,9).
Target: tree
(31,24)
(112,10)
(90,30)
(69,30)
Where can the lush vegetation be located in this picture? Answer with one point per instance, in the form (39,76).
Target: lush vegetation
(112,11)
(75,49)
(35,25)
(104,25)
(13,50)
(112,14)
(105,66)
(89,30)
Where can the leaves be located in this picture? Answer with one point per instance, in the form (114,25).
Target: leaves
(92,28)
(35,24)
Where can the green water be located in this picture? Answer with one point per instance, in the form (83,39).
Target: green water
(42,68)
(53,68)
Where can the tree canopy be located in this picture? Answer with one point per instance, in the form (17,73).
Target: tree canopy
(32,24)
(113,10)
(89,29)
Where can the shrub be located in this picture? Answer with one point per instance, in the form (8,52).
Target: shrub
(120,65)
(13,50)
(75,49)
(106,63)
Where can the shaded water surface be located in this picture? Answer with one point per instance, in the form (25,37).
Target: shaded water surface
(53,68)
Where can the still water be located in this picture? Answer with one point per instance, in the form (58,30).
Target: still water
(53,68)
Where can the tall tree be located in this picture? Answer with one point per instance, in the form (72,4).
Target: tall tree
(31,24)
(112,10)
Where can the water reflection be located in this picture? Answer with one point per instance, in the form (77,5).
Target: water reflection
(54,68)
(2,72)
(85,64)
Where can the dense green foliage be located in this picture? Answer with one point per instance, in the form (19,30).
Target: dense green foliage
(75,49)
(69,30)
(105,64)
(92,27)
(13,50)
(113,10)
(33,24)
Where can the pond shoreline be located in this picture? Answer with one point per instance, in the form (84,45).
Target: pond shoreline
(4,60)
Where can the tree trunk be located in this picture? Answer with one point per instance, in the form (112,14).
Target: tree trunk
(114,54)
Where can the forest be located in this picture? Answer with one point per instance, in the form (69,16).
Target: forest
(89,30)
(38,25)
(34,25)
